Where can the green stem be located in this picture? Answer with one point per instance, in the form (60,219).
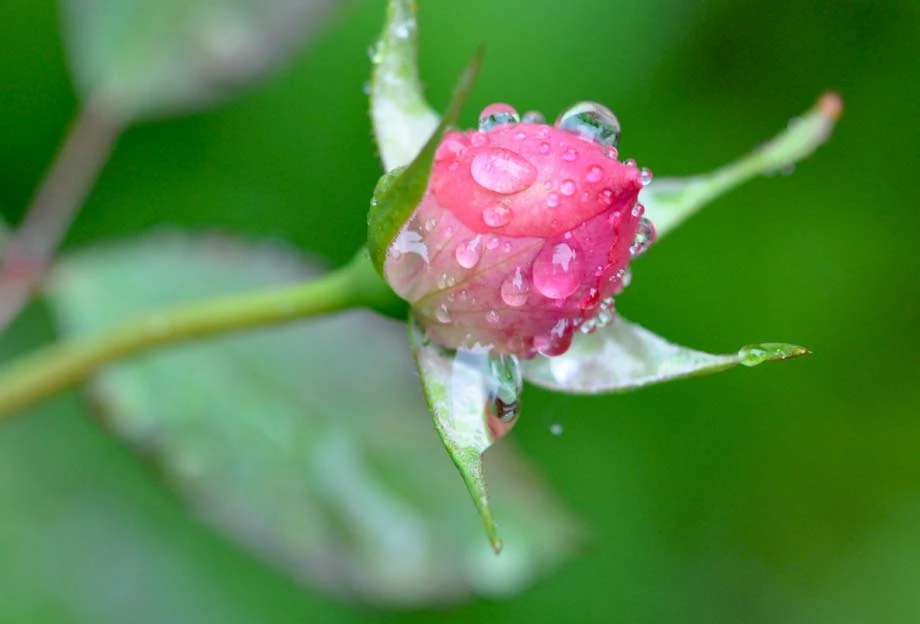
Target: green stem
(41,374)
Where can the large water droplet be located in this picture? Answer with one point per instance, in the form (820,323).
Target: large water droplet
(645,235)
(592,121)
(469,253)
(502,171)
(557,269)
(497,115)
(497,215)
(499,380)
(515,289)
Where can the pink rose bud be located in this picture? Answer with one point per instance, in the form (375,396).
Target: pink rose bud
(524,234)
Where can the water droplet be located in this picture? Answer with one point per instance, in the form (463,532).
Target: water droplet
(502,171)
(445,280)
(557,341)
(497,215)
(630,162)
(557,269)
(609,303)
(594,174)
(543,132)
(497,115)
(611,152)
(637,210)
(568,187)
(492,317)
(468,254)
(478,139)
(366,88)
(534,117)
(555,429)
(492,244)
(442,314)
(430,224)
(570,154)
(644,237)
(646,175)
(515,289)
(375,53)
(507,246)
(592,121)
(543,148)
(605,196)
(477,378)
(552,200)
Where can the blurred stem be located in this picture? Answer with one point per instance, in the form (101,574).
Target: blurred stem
(28,252)
(50,370)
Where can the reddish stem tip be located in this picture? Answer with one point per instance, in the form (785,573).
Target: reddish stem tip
(830,104)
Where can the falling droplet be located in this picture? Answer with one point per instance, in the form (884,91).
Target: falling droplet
(502,171)
(515,289)
(534,117)
(557,269)
(469,253)
(592,121)
(644,237)
(497,115)
(496,215)
(568,187)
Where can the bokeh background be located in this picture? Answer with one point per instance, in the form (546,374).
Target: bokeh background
(790,493)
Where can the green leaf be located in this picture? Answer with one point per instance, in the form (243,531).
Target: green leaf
(141,58)
(307,443)
(402,119)
(461,387)
(399,192)
(624,356)
(671,201)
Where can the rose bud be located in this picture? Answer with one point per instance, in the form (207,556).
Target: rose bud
(524,233)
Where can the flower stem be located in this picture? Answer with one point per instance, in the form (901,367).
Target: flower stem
(26,253)
(50,370)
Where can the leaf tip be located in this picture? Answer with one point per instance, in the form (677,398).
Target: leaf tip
(752,355)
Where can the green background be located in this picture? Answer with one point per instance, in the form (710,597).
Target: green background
(786,494)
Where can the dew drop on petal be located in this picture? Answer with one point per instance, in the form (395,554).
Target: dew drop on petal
(543,148)
(534,117)
(557,341)
(492,317)
(568,187)
(479,140)
(630,162)
(497,115)
(496,215)
(570,154)
(515,289)
(644,237)
(591,121)
(502,171)
(646,176)
(557,269)
(552,200)
(442,314)
(594,174)
(469,253)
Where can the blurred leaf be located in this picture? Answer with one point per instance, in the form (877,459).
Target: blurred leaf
(624,356)
(403,120)
(671,201)
(399,192)
(474,399)
(267,436)
(140,58)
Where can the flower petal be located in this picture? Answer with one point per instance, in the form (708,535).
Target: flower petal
(624,356)
(671,201)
